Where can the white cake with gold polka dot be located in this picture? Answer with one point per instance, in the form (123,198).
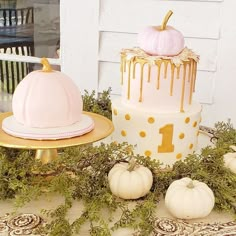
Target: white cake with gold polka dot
(156,112)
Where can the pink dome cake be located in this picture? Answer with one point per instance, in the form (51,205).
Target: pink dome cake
(45,100)
(45,104)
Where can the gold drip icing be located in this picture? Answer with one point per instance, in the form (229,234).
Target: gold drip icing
(141,82)
(129,65)
(178,72)
(186,72)
(158,63)
(172,79)
(125,66)
(191,76)
(149,73)
(183,89)
(189,70)
(123,59)
(194,76)
(134,69)
(166,66)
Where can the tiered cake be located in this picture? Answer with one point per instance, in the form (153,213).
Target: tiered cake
(156,112)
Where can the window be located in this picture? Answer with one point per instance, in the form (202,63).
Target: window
(29,30)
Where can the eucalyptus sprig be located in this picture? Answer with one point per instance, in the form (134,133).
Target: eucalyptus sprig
(100,104)
(225,134)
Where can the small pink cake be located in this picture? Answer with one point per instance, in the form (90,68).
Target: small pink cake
(47,105)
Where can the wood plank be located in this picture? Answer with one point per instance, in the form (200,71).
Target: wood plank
(79,42)
(111,44)
(199,19)
(109,76)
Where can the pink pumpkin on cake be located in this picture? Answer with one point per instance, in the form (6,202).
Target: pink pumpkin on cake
(161,40)
(47,98)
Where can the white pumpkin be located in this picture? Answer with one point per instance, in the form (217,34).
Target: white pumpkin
(189,199)
(130,180)
(161,40)
(230,160)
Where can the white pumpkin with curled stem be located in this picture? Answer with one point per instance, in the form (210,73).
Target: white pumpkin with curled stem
(162,40)
(189,199)
(130,180)
(230,159)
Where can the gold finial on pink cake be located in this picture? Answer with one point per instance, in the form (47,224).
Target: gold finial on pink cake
(163,40)
(46,65)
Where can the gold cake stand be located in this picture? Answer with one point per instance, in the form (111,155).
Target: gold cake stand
(46,150)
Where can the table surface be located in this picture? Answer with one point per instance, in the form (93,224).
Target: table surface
(216,224)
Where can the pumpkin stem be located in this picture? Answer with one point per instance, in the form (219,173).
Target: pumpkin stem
(46,66)
(132,164)
(190,184)
(167,17)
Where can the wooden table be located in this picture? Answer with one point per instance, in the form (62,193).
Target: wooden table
(26,30)
(16,35)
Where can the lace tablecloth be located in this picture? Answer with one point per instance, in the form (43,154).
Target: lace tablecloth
(30,217)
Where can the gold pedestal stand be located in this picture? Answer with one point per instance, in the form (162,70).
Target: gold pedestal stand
(46,150)
(46,155)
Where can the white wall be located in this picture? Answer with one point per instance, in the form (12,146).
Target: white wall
(93,34)
(79,41)
(224,97)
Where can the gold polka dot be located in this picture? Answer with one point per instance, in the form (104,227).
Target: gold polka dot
(127,117)
(190,146)
(187,120)
(142,134)
(148,153)
(151,120)
(179,155)
(115,112)
(198,132)
(194,123)
(181,136)
(123,133)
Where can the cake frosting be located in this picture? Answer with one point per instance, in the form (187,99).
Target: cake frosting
(158,83)
(45,99)
(156,112)
(47,104)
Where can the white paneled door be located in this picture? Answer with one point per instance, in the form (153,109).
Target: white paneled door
(94,33)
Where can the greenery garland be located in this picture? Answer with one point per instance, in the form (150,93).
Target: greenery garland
(81,174)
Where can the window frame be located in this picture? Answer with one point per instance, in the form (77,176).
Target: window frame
(29,59)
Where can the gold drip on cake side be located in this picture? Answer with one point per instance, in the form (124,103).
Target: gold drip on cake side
(165,68)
